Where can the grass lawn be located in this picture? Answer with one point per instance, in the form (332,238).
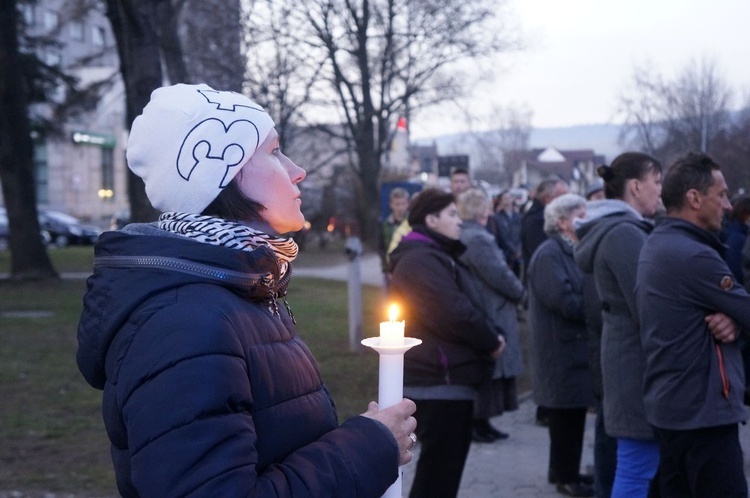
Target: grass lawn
(51,434)
(52,438)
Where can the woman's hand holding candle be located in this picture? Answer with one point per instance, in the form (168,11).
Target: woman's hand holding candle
(399,418)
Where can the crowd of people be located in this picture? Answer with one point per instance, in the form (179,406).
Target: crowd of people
(209,391)
(619,322)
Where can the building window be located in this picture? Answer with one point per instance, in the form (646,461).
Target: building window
(76,30)
(51,20)
(98,36)
(41,170)
(107,190)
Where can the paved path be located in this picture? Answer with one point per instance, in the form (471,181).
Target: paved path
(515,467)
(369,270)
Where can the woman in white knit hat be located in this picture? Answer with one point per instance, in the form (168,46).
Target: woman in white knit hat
(208,390)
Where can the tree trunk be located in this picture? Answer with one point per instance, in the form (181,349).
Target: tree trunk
(174,62)
(369,168)
(29,258)
(138,47)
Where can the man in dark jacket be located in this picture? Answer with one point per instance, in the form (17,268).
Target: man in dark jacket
(532,235)
(532,223)
(693,381)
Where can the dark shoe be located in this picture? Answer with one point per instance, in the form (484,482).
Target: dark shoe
(542,420)
(582,478)
(575,489)
(586,479)
(499,434)
(479,436)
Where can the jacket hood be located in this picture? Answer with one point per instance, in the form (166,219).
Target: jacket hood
(141,261)
(601,216)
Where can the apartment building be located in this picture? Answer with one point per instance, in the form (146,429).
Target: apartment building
(80,169)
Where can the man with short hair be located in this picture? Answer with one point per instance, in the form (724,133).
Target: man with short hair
(694,380)
(460,181)
(398,203)
(532,236)
(532,223)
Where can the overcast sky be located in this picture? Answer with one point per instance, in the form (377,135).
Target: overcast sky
(583,52)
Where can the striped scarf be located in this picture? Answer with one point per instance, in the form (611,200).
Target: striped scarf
(219,232)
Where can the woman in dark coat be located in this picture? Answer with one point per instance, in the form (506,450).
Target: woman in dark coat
(458,344)
(498,291)
(611,238)
(559,347)
(208,389)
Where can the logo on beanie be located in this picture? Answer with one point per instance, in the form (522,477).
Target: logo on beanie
(211,149)
(228,101)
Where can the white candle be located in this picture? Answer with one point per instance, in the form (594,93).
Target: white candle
(391,346)
(392,332)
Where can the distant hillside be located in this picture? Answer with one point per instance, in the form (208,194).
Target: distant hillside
(602,138)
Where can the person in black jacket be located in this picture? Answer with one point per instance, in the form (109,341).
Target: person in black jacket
(532,222)
(559,343)
(208,389)
(532,235)
(458,344)
(693,379)
(505,225)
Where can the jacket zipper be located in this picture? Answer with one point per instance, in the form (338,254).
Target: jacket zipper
(207,271)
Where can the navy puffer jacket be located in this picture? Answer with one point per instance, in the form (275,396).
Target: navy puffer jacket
(208,390)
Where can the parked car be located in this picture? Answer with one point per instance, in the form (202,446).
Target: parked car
(63,229)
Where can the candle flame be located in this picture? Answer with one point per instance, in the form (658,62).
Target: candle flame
(393,312)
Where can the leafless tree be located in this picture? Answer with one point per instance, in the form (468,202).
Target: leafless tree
(382,59)
(667,118)
(281,72)
(134,24)
(210,34)
(641,105)
(508,128)
(732,150)
(194,41)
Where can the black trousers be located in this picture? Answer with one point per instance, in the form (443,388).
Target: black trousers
(566,426)
(701,463)
(605,456)
(444,433)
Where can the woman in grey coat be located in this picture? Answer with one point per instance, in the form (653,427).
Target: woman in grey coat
(611,240)
(497,292)
(559,343)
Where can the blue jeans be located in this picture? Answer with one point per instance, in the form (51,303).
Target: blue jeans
(637,461)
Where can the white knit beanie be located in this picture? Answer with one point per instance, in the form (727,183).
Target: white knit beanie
(190,141)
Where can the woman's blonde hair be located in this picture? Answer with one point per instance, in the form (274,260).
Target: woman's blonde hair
(473,204)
